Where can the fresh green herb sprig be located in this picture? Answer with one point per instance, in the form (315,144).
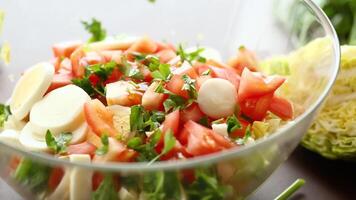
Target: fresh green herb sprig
(4,114)
(147,150)
(233,124)
(192,56)
(94,27)
(106,189)
(142,120)
(105,145)
(161,186)
(58,144)
(189,85)
(169,143)
(243,141)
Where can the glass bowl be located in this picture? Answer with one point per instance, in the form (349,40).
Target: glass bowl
(266,27)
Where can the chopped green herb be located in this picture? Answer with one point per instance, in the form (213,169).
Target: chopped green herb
(135,74)
(189,85)
(174,102)
(134,143)
(169,143)
(4,114)
(290,190)
(147,150)
(85,84)
(206,72)
(163,72)
(204,121)
(106,189)
(190,57)
(95,29)
(161,186)
(33,175)
(59,144)
(105,148)
(101,70)
(243,141)
(233,124)
(142,120)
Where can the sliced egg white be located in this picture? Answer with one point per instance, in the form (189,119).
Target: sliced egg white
(80,186)
(59,111)
(217,98)
(13,123)
(29,140)
(208,52)
(220,129)
(80,133)
(62,190)
(121,120)
(30,88)
(10,137)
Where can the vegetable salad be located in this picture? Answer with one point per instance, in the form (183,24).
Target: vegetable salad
(133,99)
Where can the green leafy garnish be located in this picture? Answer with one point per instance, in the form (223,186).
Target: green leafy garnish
(135,74)
(142,120)
(33,175)
(147,150)
(204,121)
(233,124)
(162,73)
(206,72)
(4,114)
(169,143)
(106,189)
(206,186)
(105,147)
(94,28)
(174,102)
(243,141)
(190,57)
(58,144)
(101,70)
(291,190)
(189,85)
(162,186)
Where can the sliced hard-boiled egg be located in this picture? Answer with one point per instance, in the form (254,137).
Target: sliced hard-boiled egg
(30,88)
(13,123)
(217,98)
(10,137)
(121,120)
(60,110)
(117,92)
(28,139)
(220,129)
(208,52)
(80,185)
(80,133)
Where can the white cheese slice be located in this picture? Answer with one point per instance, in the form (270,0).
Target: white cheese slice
(220,129)
(59,111)
(10,137)
(29,141)
(30,88)
(217,98)
(80,133)
(80,186)
(13,123)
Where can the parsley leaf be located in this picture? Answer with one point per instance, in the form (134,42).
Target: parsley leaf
(59,144)
(243,141)
(189,85)
(147,150)
(169,143)
(206,186)
(174,102)
(106,189)
(4,114)
(101,70)
(161,186)
(233,124)
(142,120)
(33,175)
(94,27)
(192,56)
(105,148)
(163,72)
(206,72)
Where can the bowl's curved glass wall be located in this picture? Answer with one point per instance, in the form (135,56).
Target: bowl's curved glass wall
(266,27)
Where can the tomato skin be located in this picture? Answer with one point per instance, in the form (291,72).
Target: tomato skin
(256,108)
(193,113)
(163,46)
(172,122)
(117,152)
(111,55)
(96,180)
(99,118)
(240,133)
(281,107)
(227,74)
(166,55)
(201,140)
(77,68)
(55,178)
(254,84)
(144,45)
(200,80)
(186,69)
(82,148)
(152,100)
(244,59)
(65,49)
(60,80)
(175,85)
(114,76)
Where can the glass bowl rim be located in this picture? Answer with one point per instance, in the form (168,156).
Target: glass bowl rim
(211,158)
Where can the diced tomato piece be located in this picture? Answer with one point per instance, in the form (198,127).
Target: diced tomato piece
(147,75)
(97,178)
(216,63)
(99,118)
(175,85)
(163,46)
(188,175)
(186,69)
(244,59)
(173,153)
(60,80)
(152,100)
(55,178)
(172,122)
(65,66)
(201,68)
(77,68)
(193,113)
(144,45)
(92,58)
(202,141)
(254,84)
(240,133)
(14,162)
(281,107)
(65,49)
(56,62)
(94,79)
(227,74)
(82,148)
(117,152)
(94,139)
(114,76)
(166,55)
(111,55)
(256,108)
